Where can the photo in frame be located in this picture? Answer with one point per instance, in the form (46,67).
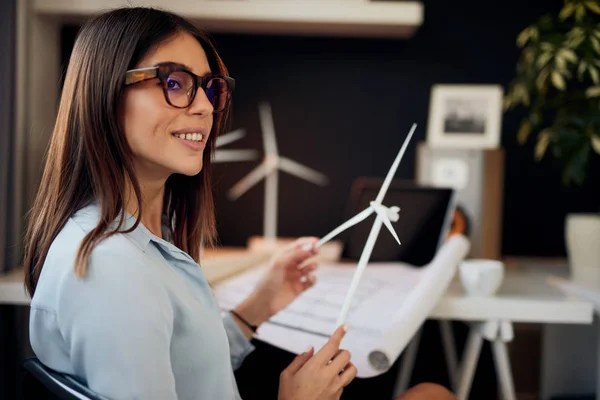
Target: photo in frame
(465,116)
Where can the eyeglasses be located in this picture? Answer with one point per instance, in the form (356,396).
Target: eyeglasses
(181,85)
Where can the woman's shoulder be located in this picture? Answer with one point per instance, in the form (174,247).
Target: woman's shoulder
(111,260)
(66,244)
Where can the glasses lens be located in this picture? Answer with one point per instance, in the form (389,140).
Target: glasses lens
(180,88)
(217,92)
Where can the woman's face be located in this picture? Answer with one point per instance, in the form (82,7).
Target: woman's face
(154,129)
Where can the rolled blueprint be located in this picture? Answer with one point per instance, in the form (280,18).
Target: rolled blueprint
(419,303)
(401,297)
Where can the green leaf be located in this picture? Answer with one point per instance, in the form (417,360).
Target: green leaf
(507,102)
(593,91)
(577,31)
(558,81)
(596,144)
(580,12)
(568,54)
(542,144)
(594,74)
(523,94)
(540,82)
(543,59)
(595,44)
(524,132)
(574,42)
(525,35)
(547,47)
(561,64)
(566,11)
(593,6)
(581,70)
(528,56)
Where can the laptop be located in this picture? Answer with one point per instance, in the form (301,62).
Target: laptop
(425,217)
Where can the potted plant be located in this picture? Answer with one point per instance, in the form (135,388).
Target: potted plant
(558,83)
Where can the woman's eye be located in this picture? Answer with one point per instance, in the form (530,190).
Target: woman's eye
(173,84)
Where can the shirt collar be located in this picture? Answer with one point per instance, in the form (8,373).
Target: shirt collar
(88,218)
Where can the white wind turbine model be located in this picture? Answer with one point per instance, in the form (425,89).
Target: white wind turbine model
(229,155)
(269,170)
(384,216)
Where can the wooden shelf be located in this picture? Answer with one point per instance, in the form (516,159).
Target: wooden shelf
(350,18)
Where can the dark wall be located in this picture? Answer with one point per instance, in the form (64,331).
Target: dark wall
(344,106)
(7,135)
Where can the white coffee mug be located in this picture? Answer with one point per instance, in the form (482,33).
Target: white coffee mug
(481,277)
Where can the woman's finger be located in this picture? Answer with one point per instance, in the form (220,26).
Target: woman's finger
(324,355)
(339,362)
(306,239)
(298,254)
(306,268)
(299,361)
(300,274)
(306,243)
(309,281)
(348,375)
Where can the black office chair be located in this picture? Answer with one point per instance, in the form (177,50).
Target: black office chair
(42,383)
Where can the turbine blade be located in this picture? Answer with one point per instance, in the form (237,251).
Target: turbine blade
(248,181)
(222,156)
(392,171)
(301,171)
(268,128)
(230,137)
(361,216)
(388,224)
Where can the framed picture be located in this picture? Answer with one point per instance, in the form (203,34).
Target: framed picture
(465,116)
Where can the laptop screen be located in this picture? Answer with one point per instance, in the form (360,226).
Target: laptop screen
(425,217)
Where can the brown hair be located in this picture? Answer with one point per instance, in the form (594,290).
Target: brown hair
(89,159)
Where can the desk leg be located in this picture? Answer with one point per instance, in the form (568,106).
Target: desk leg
(503,370)
(469,362)
(449,351)
(407,365)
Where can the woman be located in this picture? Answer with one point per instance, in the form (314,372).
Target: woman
(122,211)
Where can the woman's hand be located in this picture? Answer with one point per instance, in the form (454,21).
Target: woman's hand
(319,377)
(289,275)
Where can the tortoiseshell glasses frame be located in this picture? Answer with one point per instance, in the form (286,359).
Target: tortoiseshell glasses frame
(180,85)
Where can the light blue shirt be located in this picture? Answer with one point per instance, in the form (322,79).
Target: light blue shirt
(142,324)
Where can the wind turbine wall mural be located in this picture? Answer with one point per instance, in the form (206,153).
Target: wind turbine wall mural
(268,170)
(384,216)
(232,155)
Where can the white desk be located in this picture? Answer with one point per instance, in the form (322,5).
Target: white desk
(217,265)
(525,296)
(12,288)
